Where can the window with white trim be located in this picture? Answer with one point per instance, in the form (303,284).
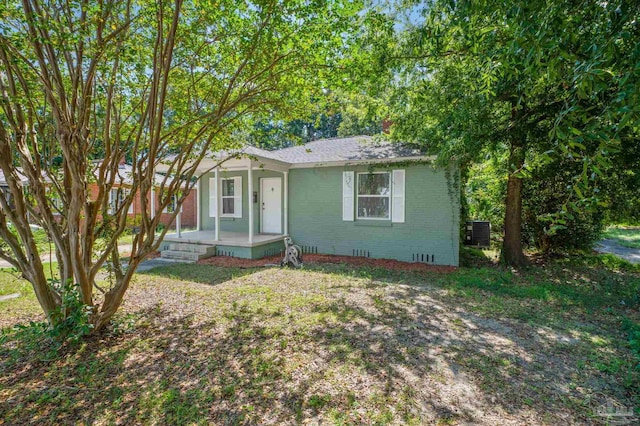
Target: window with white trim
(117,197)
(374,196)
(231,197)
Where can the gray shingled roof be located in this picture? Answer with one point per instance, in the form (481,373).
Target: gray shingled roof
(344,149)
(354,148)
(125,173)
(247,150)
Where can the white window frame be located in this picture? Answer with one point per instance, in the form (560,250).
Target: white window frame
(112,195)
(235,197)
(357,193)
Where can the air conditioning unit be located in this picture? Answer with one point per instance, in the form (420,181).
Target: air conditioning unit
(478,233)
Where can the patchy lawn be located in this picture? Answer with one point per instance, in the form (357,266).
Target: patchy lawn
(627,236)
(338,344)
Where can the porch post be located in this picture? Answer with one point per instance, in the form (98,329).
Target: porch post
(250,200)
(153,200)
(286,203)
(179,224)
(198,200)
(217,232)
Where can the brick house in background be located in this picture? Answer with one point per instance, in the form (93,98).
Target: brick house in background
(188,216)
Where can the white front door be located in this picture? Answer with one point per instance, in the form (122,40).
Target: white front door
(271,208)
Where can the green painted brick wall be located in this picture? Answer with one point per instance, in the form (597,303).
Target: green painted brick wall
(432,215)
(236,224)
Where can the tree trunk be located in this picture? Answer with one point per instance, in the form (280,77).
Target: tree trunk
(512,253)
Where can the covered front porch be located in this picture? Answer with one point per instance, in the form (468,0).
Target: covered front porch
(242,208)
(192,246)
(226,238)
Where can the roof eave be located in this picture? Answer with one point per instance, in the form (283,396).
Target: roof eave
(314,164)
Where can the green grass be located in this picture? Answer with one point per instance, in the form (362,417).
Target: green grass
(628,236)
(337,344)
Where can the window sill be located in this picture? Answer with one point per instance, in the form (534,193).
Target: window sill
(374,223)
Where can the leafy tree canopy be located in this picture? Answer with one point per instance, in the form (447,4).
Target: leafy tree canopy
(518,80)
(163,81)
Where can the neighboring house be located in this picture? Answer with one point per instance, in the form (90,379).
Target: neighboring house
(120,190)
(122,183)
(4,187)
(351,196)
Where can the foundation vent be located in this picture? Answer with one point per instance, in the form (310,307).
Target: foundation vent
(272,252)
(225,253)
(361,253)
(309,249)
(423,257)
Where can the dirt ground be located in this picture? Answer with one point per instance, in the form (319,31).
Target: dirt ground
(334,344)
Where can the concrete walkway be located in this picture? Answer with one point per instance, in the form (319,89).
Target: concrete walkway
(149,264)
(9,296)
(612,247)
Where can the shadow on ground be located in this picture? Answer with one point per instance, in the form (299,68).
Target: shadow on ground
(328,345)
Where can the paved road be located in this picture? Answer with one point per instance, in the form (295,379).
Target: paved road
(612,247)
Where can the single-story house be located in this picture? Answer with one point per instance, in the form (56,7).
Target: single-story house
(356,196)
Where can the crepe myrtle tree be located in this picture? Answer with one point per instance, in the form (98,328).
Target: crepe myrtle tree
(84,84)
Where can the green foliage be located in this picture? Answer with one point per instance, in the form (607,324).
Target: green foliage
(28,338)
(549,81)
(72,323)
(73,317)
(619,187)
(606,261)
(546,195)
(484,192)
(282,134)
(40,237)
(335,114)
(633,330)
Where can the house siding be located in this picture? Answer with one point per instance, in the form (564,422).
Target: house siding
(231,224)
(430,230)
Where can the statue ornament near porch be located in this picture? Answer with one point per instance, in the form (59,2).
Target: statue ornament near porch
(292,254)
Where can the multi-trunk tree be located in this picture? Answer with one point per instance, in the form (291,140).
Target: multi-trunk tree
(518,80)
(84,84)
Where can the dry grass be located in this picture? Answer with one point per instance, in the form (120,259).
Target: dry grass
(336,344)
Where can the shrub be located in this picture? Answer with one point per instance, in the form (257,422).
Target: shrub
(72,323)
(73,317)
(544,194)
